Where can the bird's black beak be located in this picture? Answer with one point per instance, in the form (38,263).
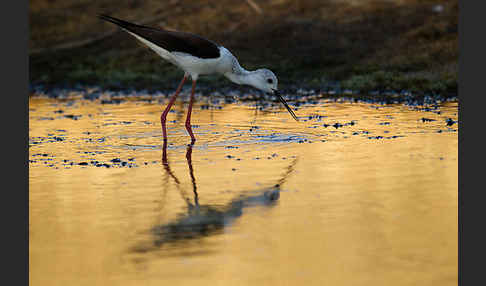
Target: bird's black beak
(277,93)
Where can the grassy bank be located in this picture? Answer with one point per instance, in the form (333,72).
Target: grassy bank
(360,45)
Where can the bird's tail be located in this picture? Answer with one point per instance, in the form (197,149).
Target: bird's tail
(119,22)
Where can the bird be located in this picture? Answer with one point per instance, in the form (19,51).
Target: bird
(196,56)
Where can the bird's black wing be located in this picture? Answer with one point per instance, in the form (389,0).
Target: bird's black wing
(170,40)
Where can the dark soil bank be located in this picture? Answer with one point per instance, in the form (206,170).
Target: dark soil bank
(364,46)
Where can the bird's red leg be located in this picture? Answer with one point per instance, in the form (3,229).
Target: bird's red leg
(163,117)
(189,111)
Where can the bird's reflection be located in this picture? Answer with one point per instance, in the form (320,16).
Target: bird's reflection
(202,220)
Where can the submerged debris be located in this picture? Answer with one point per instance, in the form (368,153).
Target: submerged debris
(450,121)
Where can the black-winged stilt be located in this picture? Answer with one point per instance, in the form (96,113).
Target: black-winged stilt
(197,56)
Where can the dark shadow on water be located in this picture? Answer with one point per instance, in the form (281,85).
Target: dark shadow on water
(203,220)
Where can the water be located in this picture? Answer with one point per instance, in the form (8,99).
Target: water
(353,194)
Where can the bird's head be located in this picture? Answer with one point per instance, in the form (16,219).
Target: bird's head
(266,81)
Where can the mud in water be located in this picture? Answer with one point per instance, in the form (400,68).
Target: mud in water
(352,194)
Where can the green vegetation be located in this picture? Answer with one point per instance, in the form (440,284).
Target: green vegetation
(364,45)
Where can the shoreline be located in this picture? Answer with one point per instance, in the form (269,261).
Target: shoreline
(294,96)
(370,47)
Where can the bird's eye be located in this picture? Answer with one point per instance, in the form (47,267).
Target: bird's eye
(270,80)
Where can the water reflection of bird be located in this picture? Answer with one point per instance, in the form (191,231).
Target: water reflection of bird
(201,220)
(198,56)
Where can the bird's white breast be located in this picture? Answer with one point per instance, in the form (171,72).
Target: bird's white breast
(197,66)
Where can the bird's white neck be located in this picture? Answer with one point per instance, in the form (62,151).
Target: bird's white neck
(238,74)
(241,77)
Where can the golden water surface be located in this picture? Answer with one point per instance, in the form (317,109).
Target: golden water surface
(352,194)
